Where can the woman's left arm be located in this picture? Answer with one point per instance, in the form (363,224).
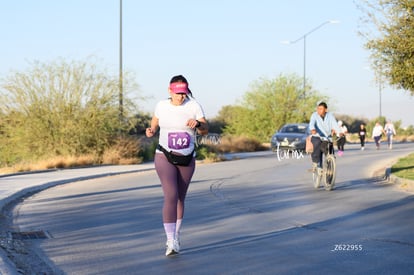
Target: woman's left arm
(202,129)
(201,125)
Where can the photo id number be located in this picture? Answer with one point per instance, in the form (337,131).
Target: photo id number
(347,247)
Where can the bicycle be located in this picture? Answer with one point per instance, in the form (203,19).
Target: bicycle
(327,170)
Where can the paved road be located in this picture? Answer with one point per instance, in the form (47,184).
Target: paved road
(249,216)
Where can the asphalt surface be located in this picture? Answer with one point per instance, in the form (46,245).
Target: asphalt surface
(17,186)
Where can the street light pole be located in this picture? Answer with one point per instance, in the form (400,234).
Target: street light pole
(377,67)
(304,66)
(380,101)
(380,95)
(304,48)
(121,108)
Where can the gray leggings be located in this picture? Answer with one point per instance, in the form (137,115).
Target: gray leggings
(174,181)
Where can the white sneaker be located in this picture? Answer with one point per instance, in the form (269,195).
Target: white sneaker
(173,248)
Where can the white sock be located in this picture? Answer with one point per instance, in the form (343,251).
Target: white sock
(178,228)
(170,230)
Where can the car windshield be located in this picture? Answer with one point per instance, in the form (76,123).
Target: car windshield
(298,129)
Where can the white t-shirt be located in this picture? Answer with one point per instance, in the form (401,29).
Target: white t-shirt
(175,135)
(377,131)
(389,128)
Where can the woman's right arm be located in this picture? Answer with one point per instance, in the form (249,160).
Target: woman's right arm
(150,132)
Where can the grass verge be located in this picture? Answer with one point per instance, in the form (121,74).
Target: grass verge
(404,168)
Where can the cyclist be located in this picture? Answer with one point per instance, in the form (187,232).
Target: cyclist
(322,125)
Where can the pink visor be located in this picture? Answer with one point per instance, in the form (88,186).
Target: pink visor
(179,88)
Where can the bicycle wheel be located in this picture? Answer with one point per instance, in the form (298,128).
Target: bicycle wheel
(330,172)
(316,177)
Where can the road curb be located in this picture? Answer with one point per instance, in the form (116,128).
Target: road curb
(7,267)
(404,184)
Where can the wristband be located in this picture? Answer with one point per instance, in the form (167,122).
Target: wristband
(198,124)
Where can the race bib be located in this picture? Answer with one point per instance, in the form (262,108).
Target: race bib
(180,140)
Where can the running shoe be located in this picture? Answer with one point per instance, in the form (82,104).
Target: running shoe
(173,248)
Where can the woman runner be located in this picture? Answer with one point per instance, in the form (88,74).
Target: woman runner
(178,118)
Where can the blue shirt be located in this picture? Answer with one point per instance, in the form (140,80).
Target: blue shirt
(324,126)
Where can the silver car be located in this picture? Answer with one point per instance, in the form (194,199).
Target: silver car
(291,136)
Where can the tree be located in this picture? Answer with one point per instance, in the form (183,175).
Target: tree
(227,115)
(392,43)
(268,105)
(58,109)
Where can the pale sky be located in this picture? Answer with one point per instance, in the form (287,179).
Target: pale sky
(220,46)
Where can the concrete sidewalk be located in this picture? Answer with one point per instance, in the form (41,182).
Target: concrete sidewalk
(15,186)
